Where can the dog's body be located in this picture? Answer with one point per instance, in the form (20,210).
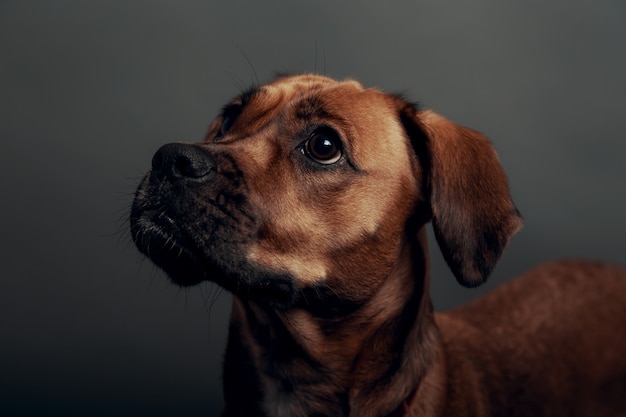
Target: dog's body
(548,343)
(308,200)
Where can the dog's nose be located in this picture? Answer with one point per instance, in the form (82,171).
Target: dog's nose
(179,160)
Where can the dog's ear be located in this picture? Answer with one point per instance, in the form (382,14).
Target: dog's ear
(472,213)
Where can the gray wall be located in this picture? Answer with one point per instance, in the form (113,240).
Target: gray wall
(90,89)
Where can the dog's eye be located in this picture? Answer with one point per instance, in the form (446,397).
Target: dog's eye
(227,122)
(323,147)
(229,115)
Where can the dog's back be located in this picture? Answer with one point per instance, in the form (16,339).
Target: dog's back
(555,334)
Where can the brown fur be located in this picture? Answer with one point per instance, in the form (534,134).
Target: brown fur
(328,265)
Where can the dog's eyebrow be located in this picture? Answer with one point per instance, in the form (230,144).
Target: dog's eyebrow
(241,101)
(313,107)
(248,95)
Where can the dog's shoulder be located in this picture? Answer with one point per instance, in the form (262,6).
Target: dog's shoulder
(556,299)
(567,315)
(566,306)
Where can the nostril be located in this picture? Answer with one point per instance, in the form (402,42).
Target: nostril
(186,167)
(178,160)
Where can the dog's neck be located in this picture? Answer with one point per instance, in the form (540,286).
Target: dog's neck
(366,364)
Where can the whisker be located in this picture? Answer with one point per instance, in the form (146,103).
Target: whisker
(256,77)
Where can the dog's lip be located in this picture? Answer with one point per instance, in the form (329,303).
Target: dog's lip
(154,221)
(160,238)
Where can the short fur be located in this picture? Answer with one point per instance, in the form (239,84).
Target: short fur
(308,200)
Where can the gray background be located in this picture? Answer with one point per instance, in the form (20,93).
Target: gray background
(90,89)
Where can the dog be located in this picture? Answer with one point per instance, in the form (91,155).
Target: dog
(309,199)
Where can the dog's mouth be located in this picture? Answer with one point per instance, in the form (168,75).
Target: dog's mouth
(187,262)
(158,237)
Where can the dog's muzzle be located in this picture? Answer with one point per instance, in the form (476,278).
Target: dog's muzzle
(161,212)
(192,218)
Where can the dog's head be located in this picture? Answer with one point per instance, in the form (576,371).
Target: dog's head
(307,184)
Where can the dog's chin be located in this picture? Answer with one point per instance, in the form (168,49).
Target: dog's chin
(155,238)
(186,265)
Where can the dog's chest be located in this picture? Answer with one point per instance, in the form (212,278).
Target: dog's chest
(280,403)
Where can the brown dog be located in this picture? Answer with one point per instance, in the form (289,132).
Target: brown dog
(308,200)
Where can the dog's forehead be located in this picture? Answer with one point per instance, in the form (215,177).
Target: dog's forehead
(367,117)
(305,96)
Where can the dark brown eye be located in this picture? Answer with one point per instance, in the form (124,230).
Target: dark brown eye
(229,115)
(227,122)
(323,147)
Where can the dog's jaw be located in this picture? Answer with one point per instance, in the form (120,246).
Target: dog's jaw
(157,237)
(186,266)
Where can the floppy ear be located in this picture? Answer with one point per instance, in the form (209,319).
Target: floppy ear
(472,213)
